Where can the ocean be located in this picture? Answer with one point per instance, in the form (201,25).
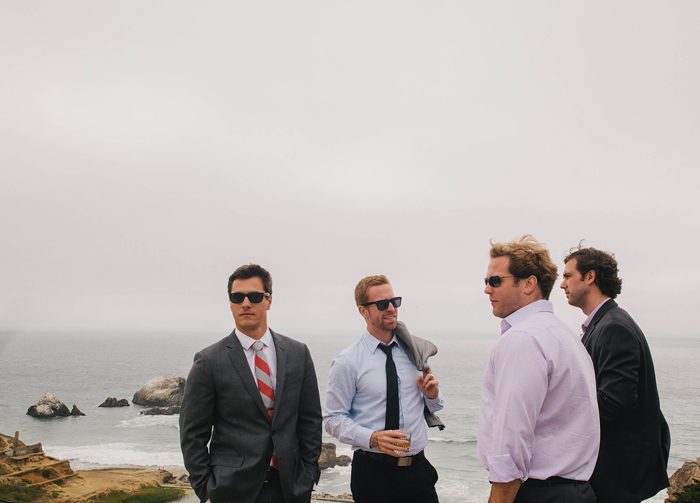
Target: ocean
(85,369)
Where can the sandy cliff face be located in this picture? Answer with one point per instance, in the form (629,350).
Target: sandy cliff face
(58,479)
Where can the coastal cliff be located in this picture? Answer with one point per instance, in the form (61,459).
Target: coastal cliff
(27,471)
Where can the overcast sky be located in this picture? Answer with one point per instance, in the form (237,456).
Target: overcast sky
(147,149)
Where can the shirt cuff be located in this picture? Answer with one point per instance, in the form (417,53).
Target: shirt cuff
(435,404)
(364,435)
(502,469)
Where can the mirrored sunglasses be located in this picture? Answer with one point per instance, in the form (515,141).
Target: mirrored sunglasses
(495,281)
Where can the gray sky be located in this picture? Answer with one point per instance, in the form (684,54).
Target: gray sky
(149,148)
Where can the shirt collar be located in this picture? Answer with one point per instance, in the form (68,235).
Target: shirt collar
(373,343)
(588,320)
(247,341)
(524,313)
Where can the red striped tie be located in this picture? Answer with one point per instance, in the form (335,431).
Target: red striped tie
(262,373)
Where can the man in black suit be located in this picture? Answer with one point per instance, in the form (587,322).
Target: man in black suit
(635,439)
(257,391)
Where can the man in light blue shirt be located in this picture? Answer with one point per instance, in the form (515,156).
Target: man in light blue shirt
(376,398)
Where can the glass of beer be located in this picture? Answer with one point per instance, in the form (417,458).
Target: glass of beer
(405,442)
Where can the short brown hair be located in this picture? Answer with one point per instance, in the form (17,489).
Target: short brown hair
(604,265)
(528,257)
(365,284)
(251,271)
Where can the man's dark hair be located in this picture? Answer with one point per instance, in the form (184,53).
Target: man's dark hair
(604,265)
(251,271)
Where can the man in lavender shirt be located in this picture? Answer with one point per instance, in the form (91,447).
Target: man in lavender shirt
(538,430)
(635,439)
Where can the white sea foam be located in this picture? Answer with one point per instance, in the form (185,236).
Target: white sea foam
(150,422)
(114,454)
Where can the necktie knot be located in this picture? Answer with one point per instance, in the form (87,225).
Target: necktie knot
(258,345)
(387,349)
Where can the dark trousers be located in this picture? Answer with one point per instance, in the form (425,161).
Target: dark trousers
(555,491)
(382,481)
(271,491)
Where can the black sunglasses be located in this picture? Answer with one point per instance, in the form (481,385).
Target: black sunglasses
(254,297)
(383,304)
(495,281)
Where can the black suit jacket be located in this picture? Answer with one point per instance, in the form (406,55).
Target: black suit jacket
(635,439)
(222,403)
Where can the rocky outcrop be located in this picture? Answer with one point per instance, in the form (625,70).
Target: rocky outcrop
(162,411)
(76,411)
(685,475)
(164,391)
(113,402)
(329,459)
(48,406)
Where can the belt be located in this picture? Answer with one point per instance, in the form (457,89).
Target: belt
(272,474)
(552,481)
(393,460)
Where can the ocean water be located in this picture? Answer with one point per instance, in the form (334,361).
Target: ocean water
(87,368)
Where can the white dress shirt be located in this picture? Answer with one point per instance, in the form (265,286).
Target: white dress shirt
(268,351)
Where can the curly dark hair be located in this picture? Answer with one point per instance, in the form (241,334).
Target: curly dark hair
(604,265)
(251,271)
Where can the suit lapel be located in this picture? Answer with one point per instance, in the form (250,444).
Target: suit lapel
(240,363)
(281,353)
(603,309)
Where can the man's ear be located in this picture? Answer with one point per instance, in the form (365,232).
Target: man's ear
(530,285)
(269,302)
(363,311)
(590,277)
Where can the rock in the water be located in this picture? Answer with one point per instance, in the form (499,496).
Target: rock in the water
(48,406)
(113,402)
(328,457)
(164,391)
(164,411)
(76,411)
(685,475)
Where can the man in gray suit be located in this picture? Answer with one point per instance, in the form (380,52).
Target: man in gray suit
(257,391)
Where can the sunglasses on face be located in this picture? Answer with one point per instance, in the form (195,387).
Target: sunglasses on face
(383,304)
(495,281)
(253,297)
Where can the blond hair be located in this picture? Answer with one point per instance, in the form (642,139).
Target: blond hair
(528,257)
(365,284)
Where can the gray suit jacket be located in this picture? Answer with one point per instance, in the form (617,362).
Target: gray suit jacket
(221,395)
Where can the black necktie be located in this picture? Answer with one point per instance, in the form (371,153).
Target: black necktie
(392,390)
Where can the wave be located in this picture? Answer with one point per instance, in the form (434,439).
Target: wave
(114,454)
(150,421)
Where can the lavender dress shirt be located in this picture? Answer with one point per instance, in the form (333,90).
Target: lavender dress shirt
(539,411)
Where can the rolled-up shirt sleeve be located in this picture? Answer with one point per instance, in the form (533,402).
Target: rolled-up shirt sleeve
(516,382)
(339,396)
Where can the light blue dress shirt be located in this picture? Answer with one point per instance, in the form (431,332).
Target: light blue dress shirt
(356,396)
